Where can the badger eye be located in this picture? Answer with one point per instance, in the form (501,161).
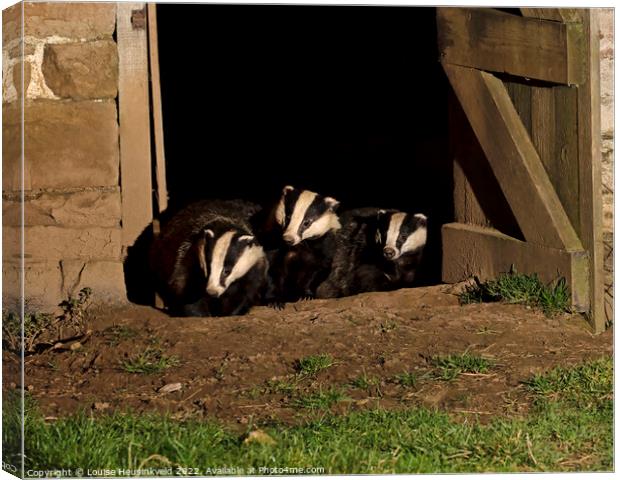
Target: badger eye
(226,271)
(403,237)
(306,223)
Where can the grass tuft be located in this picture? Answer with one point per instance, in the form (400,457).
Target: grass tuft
(320,400)
(313,364)
(448,367)
(405,379)
(513,287)
(590,382)
(364,382)
(151,360)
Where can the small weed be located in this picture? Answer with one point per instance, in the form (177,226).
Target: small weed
(406,379)
(513,287)
(152,360)
(388,326)
(253,392)
(280,386)
(448,367)
(74,309)
(382,358)
(52,365)
(312,365)
(219,372)
(35,325)
(321,400)
(364,382)
(487,331)
(271,387)
(118,333)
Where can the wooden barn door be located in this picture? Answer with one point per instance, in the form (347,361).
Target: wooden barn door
(525,135)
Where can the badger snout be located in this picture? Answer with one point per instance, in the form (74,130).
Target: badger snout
(289,239)
(389,253)
(214,291)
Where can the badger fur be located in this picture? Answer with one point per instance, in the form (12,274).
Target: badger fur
(207,262)
(376,250)
(299,234)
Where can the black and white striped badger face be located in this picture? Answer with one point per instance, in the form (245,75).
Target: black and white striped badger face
(227,258)
(305,215)
(400,233)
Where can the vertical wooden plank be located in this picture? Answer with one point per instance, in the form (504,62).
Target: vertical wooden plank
(158,125)
(564,166)
(590,179)
(521,96)
(464,150)
(554,134)
(543,126)
(478,198)
(134,120)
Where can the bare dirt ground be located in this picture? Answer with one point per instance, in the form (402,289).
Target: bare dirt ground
(229,366)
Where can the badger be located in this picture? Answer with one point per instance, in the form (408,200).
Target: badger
(376,250)
(207,262)
(299,233)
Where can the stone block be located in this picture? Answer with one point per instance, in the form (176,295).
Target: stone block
(11,23)
(42,285)
(17,78)
(81,209)
(43,243)
(11,147)
(11,243)
(80,20)
(105,278)
(82,70)
(606,17)
(17,50)
(67,144)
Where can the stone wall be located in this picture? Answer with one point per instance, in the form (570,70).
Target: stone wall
(607,148)
(72,209)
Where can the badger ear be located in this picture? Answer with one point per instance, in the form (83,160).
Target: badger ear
(287,189)
(246,238)
(332,203)
(380,214)
(208,232)
(422,220)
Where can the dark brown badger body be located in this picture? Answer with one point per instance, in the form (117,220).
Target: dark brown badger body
(206,261)
(299,235)
(376,250)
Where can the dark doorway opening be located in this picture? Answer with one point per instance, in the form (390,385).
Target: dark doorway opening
(347,101)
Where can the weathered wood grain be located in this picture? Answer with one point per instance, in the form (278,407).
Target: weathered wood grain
(513,158)
(495,41)
(134,123)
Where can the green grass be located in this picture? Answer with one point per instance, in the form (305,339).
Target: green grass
(364,382)
(319,400)
(586,384)
(406,379)
(119,333)
(313,364)
(448,367)
(560,433)
(151,360)
(280,386)
(513,287)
